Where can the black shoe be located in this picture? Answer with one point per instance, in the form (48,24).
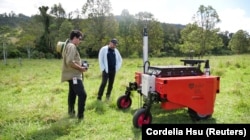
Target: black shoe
(80,117)
(99,98)
(107,98)
(71,114)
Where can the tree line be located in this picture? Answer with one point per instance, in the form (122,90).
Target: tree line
(37,36)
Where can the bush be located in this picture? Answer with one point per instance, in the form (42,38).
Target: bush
(14,53)
(49,56)
(37,55)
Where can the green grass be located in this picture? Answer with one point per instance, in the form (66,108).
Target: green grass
(34,102)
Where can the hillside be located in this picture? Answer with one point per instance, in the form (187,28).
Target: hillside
(13,20)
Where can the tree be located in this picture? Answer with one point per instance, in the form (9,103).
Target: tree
(224,50)
(58,11)
(171,39)
(206,17)
(201,36)
(4,39)
(45,45)
(155,33)
(191,39)
(127,33)
(45,18)
(27,42)
(63,34)
(29,35)
(64,30)
(101,24)
(240,42)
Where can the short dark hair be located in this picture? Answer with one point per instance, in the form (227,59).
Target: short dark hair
(75,33)
(114,40)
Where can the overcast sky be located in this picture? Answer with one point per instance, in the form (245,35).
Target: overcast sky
(234,14)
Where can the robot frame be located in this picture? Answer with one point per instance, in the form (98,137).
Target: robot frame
(174,87)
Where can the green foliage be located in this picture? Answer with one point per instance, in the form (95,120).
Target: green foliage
(34,102)
(12,19)
(201,37)
(240,42)
(155,33)
(42,32)
(64,30)
(206,17)
(58,11)
(191,37)
(14,53)
(102,26)
(37,55)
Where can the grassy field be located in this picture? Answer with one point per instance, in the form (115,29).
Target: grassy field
(34,102)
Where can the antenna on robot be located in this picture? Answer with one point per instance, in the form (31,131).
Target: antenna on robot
(145,47)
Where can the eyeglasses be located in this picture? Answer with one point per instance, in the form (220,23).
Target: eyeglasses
(80,38)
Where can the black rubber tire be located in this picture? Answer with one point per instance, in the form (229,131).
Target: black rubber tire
(140,118)
(196,116)
(124,102)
